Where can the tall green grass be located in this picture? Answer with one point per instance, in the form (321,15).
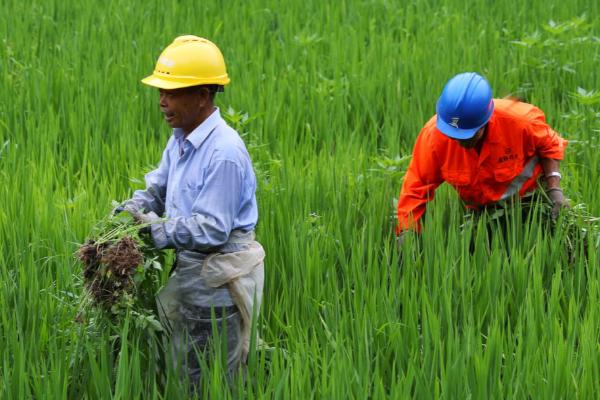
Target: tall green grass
(335,95)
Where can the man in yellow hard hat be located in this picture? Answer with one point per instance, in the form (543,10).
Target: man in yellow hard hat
(201,201)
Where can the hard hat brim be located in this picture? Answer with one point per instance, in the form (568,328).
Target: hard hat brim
(160,83)
(164,84)
(456,133)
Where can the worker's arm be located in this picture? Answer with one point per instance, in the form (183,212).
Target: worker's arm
(551,168)
(420,182)
(213,212)
(553,189)
(550,147)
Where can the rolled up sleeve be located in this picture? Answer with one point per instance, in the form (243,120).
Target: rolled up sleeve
(547,143)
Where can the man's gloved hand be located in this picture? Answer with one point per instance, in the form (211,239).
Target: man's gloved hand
(124,207)
(558,201)
(139,217)
(145,219)
(118,210)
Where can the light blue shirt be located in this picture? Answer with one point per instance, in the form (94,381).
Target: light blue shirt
(204,185)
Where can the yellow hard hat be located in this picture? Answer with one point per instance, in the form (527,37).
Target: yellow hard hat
(189,61)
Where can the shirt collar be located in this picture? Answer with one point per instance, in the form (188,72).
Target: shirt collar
(199,135)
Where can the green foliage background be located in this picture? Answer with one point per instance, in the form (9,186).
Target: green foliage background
(330,97)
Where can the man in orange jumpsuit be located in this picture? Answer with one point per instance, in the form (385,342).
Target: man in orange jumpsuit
(488,149)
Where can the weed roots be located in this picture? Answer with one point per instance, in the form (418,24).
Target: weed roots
(109,269)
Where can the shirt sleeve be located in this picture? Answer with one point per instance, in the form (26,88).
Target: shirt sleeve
(153,197)
(546,142)
(213,212)
(420,182)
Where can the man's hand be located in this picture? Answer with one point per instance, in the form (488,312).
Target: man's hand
(118,210)
(558,201)
(145,219)
(125,207)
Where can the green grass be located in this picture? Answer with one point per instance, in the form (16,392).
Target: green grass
(336,94)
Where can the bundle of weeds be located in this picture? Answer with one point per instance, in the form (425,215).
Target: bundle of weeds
(121,271)
(581,228)
(575,226)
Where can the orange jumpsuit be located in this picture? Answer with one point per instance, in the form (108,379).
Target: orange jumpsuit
(508,163)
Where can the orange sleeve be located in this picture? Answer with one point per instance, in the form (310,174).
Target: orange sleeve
(546,142)
(421,180)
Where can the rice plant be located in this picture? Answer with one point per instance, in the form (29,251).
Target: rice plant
(329,97)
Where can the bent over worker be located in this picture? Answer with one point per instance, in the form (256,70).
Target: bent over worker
(488,149)
(204,188)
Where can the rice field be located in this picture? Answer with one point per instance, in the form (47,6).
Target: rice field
(329,97)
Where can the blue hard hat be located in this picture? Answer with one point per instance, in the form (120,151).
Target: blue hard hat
(466,104)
